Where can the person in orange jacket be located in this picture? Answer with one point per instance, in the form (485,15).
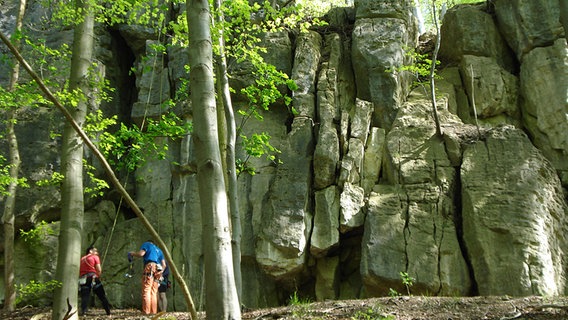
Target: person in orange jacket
(154,264)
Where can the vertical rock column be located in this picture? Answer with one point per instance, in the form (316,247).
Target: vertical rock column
(383,33)
(284,218)
(534,31)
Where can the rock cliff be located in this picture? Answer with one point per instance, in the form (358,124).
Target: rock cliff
(364,189)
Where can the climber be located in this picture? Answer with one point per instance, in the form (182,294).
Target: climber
(90,278)
(154,264)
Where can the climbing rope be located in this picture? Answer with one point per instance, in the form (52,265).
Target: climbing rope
(146,105)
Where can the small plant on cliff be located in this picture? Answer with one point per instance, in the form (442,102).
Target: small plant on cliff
(393,293)
(300,306)
(263,93)
(407,281)
(420,68)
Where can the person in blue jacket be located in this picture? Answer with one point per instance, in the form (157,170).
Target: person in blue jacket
(154,264)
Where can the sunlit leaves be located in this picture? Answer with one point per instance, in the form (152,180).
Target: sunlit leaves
(33,292)
(420,67)
(6,179)
(111,12)
(55,180)
(63,11)
(317,8)
(24,95)
(178,30)
(48,61)
(95,186)
(258,145)
(130,147)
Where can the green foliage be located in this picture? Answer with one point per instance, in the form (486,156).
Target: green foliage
(407,281)
(44,60)
(178,31)
(258,145)
(100,89)
(129,147)
(24,94)
(240,32)
(300,16)
(296,300)
(318,8)
(300,306)
(244,27)
(64,12)
(393,293)
(420,68)
(242,167)
(148,61)
(38,233)
(100,85)
(55,180)
(34,292)
(150,13)
(5,178)
(265,89)
(96,186)
(372,314)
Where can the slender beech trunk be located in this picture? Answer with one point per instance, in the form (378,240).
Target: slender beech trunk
(15,162)
(433,71)
(231,130)
(221,298)
(72,201)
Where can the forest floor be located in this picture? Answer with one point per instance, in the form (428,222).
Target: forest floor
(399,308)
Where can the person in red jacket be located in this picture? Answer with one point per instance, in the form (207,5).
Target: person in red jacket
(90,278)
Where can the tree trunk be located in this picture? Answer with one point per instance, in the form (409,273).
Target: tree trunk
(15,162)
(231,130)
(8,217)
(72,205)
(221,298)
(433,72)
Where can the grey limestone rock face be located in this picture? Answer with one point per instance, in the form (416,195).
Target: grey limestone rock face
(543,78)
(497,94)
(411,221)
(513,210)
(363,188)
(470,30)
(527,25)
